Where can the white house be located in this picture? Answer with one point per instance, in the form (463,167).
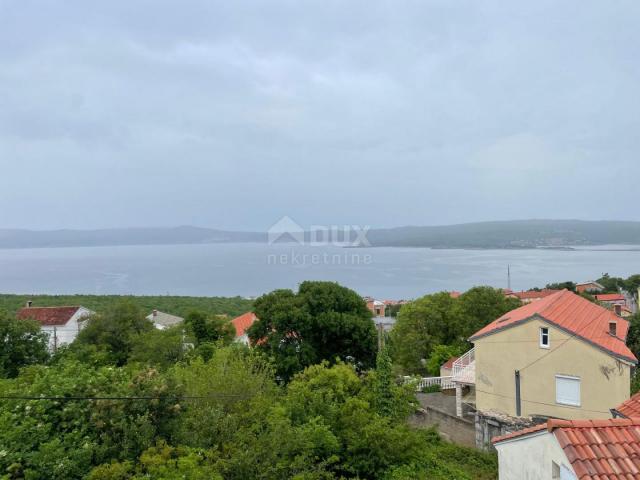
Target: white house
(61,323)
(571,450)
(162,320)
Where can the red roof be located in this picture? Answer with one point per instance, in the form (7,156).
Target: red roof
(631,408)
(532,294)
(610,297)
(454,294)
(597,449)
(243,322)
(573,314)
(449,363)
(48,316)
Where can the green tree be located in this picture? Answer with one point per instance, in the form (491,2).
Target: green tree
(52,439)
(323,321)
(160,348)
(439,319)
(209,329)
(114,332)
(439,355)
(480,306)
(22,343)
(422,324)
(571,286)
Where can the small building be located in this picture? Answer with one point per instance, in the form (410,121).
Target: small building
(589,287)
(531,295)
(62,324)
(572,450)
(163,320)
(376,307)
(446,369)
(241,325)
(616,301)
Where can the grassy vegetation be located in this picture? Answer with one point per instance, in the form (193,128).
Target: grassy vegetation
(232,306)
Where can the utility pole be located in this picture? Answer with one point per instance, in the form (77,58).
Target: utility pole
(55,339)
(508,276)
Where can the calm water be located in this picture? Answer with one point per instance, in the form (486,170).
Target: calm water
(252,269)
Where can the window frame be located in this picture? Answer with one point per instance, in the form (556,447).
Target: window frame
(569,377)
(541,335)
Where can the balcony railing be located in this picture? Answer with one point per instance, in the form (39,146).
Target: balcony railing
(444,383)
(464,368)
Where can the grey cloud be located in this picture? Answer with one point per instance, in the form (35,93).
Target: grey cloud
(233,114)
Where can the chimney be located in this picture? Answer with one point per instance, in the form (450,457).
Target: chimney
(29,303)
(613,328)
(155,313)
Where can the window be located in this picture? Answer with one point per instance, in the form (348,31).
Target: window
(555,471)
(568,390)
(544,337)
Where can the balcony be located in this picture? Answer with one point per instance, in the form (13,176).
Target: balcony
(464,369)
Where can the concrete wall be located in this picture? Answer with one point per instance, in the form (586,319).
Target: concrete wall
(457,430)
(532,457)
(604,380)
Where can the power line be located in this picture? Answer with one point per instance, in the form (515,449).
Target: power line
(574,335)
(541,403)
(122,398)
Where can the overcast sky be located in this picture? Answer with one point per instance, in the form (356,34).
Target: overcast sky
(232,114)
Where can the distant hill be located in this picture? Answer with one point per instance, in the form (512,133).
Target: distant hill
(510,234)
(507,234)
(122,236)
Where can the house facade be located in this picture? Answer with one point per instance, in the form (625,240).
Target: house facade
(62,324)
(562,356)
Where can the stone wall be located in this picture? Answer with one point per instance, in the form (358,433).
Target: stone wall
(457,430)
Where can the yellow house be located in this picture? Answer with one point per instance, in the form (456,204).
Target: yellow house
(562,356)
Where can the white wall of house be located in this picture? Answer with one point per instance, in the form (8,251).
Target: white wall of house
(244,339)
(65,334)
(532,457)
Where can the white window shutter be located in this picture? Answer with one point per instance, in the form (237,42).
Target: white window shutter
(568,390)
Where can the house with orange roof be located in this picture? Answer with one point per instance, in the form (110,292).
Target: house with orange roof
(562,356)
(572,450)
(62,324)
(531,295)
(242,324)
(589,287)
(616,301)
(628,409)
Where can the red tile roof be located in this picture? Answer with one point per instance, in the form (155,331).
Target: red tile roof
(631,408)
(533,294)
(597,449)
(573,314)
(454,294)
(449,363)
(243,322)
(48,316)
(610,297)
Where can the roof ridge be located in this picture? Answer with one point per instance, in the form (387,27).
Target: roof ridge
(554,423)
(53,306)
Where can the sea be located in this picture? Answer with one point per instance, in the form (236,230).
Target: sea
(251,269)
